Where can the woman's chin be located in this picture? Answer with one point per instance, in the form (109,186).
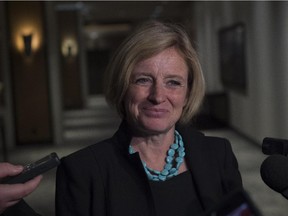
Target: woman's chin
(155,127)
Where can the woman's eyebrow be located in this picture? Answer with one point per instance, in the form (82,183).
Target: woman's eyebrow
(175,76)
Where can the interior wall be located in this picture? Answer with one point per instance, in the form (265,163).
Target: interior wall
(262,111)
(29,73)
(70,63)
(97,61)
(7,111)
(54,72)
(2,143)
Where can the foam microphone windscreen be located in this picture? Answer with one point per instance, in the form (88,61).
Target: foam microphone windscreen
(274,172)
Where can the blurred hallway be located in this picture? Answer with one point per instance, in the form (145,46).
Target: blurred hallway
(34,91)
(99,121)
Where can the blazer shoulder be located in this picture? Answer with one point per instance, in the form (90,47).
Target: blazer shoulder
(89,152)
(205,143)
(216,140)
(218,144)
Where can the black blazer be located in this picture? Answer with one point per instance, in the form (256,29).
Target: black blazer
(105,180)
(20,209)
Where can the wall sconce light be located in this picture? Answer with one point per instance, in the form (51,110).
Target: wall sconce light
(27,40)
(69,48)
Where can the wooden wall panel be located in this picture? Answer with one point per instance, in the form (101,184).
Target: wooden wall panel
(70,65)
(29,73)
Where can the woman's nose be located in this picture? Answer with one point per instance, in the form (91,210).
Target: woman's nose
(157,93)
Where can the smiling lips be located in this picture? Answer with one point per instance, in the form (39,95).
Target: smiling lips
(155,112)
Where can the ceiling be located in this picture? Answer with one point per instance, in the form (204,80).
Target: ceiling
(104,20)
(132,11)
(126,11)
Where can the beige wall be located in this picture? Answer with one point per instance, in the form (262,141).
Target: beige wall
(262,111)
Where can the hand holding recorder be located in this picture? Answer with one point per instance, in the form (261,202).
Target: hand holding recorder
(16,181)
(10,194)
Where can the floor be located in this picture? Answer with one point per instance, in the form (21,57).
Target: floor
(89,126)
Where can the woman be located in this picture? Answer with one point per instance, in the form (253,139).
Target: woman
(150,166)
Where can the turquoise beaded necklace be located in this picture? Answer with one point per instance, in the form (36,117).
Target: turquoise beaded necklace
(174,159)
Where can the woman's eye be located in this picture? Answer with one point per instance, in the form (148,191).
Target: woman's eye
(174,83)
(143,81)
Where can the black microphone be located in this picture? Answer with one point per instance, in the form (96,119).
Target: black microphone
(274,172)
(272,146)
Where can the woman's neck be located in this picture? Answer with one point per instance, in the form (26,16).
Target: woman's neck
(153,149)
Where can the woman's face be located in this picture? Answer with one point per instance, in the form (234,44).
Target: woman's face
(157,92)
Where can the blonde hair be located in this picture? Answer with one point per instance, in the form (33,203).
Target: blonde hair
(148,40)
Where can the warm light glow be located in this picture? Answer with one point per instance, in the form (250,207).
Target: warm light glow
(69,47)
(27,30)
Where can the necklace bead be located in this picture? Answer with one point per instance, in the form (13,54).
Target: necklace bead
(169,159)
(173,162)
(171,152)
(174,146)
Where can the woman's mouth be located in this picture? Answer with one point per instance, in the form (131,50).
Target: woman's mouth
(155,112)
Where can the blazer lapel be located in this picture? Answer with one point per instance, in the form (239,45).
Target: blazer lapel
(203,167)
